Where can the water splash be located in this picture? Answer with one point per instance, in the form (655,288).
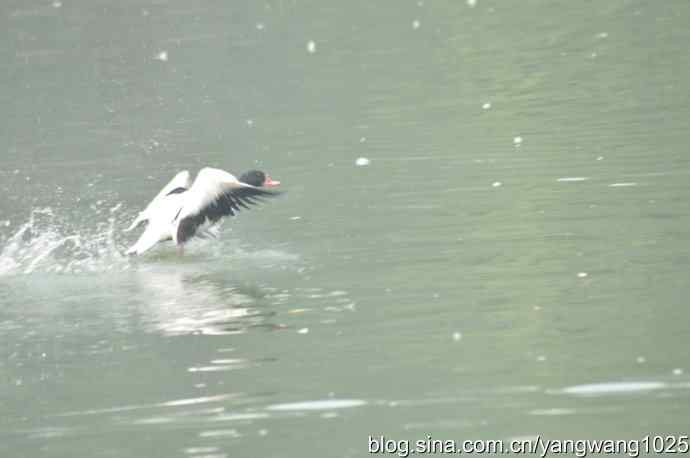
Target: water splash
(45,243)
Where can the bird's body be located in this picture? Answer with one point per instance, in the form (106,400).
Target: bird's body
(183,210)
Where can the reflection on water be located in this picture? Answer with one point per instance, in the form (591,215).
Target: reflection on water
(178,302)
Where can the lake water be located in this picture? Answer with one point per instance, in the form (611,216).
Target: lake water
(511,261)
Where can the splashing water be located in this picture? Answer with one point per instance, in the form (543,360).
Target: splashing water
(51,243)
(46,244)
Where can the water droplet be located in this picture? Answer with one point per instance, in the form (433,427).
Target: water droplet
(362,161)
(486,105)
(457,336)
(415,24)
(582,274)
(162,56)
(311,47)
(303,331)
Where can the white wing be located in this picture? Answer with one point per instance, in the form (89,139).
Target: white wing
(208,186)
(214,194)
(181,180)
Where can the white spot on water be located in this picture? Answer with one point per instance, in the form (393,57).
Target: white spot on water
(641,360)
(197,450)
(262,432)
(457,336)
(602,35)
(326,404)
(415,24)
(541,358)
(311,47)
(613,388)
(600,158)
(295,218)
(250,122)
(162,56)
(569,179)
(622,185)
(193,401)
(303,331)
(517,141)
(220,433)
(486,105)
(496,184)
(57,4)
(677,371)
(259,26)
(552,412)
(582,275)
(471,3)
(362,139)
(362,161)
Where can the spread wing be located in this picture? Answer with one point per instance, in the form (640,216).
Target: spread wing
(215,194)
(180,183)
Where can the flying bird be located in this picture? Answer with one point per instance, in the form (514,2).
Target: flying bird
(184,209)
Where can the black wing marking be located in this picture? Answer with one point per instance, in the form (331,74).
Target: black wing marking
(179,190)
(228,203)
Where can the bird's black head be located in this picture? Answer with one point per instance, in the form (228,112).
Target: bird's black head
(258,178)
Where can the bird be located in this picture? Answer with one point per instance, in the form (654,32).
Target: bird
(184,209)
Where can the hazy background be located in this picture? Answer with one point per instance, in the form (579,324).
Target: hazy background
(513,260)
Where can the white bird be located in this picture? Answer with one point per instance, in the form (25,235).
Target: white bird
(182,180)
(182,209)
